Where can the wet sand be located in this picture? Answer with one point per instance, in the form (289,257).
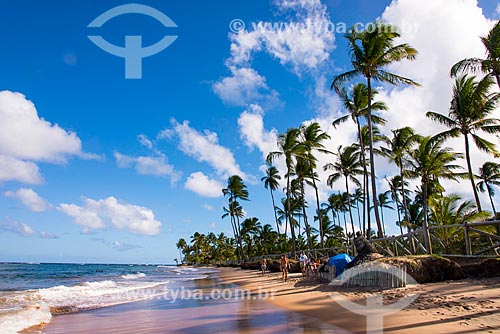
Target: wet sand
(455,307)
(240,314)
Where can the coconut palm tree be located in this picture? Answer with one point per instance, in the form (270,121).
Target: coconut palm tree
(312,139)
(396,187)
(489,174)
(303,171)
(289,147)
(271,181)
(397,151)
(181,246)
(371,51)
(349,166)
(356,103)
(471,105)
(383,202)
(491,64)
(430,162)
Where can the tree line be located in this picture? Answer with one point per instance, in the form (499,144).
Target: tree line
(426,159)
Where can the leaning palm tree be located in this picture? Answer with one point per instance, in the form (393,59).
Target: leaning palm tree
(349,166)
(289,148)
(489,174)
(356,103)
(430,162)
(397,151)
(371,51)
(489,66)
(471,105)
(271,181)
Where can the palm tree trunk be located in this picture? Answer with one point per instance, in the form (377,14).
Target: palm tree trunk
(372,162)
(427,236)
(359,216)
(405,203)
(366,196)
(274,209)
(292,231)
(306,223)
(319,212)
(491,201)
(349,204)
(471,175)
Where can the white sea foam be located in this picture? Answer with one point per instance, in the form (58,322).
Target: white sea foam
(29,316)
(134,276)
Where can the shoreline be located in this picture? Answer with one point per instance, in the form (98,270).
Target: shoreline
(465,306)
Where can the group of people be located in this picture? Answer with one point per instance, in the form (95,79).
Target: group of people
(307,266)
(284,266)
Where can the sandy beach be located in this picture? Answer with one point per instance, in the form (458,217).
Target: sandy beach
(467,306)
(243,301)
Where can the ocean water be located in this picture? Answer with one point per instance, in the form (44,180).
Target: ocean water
(30,293)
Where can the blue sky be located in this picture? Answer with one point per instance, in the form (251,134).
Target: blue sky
(95,167)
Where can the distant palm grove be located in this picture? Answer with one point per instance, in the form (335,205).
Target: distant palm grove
(426,159)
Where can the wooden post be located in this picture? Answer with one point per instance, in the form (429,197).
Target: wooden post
(468,249)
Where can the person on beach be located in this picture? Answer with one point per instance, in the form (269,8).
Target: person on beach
(263,265)
(284,266)
(303,260)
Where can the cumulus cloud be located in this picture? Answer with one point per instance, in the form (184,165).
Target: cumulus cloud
(13,226)
(253,133)
(244,86)
(13,169)
(302,42)
(148,165)
(112,213)
(26,138)
(204,186)
(204,147)
(30,198)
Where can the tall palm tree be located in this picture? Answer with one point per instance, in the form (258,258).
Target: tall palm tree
(289,148)
(303,171)
(236,190)
(313,139)
(471,105)
(271,181)
(489,174)
(489,66)
(430,162)
(349,166)
(398,150)
(371,51)
(396,187)
(356,103)
(383,202)
(181,246)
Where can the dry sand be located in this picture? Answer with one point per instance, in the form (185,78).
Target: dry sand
(467,306)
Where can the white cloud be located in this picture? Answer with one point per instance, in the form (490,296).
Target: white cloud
(205,147)
(30,198)
(244,86)
(497,10)
(47,235)
(254,134)
(145,141)
(109,212)
(148,165)
(26,138)
(202,185)
(12,169)
(13,226)
(302,42)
